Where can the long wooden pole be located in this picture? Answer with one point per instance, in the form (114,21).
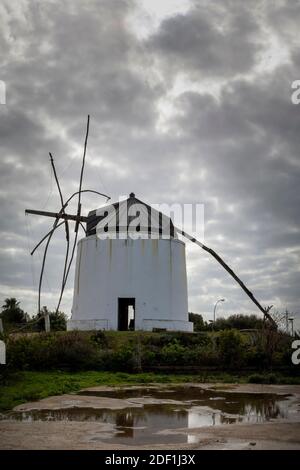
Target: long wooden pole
(265,311)
(58,215)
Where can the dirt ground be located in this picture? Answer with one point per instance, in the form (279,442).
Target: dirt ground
(279,434)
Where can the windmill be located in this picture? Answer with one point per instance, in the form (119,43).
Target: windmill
(121,297)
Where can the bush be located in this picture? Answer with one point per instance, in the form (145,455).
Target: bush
(58,321)
(120,360)
(256,357)
(199,323)
(230,348)
(238,322)
(72,350)
(184,339)
(264,379)
(149,357)
(100,350)
(205,357)
(174,353)
(100,339)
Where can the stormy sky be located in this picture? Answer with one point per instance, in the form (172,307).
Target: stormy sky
(190,102)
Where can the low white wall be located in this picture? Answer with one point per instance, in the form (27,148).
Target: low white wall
(149,324)
(88,325)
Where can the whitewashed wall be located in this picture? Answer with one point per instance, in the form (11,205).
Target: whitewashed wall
(152,271)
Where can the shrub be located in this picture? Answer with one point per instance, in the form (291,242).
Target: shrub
(120,360)
(100,338)
(263,379)
(238,322)
(205,357)
(99,350)
(149,357)
(256,357)
(72,350)
(184,339)
(199,323)
(174,353)
(58,321)
(230,348)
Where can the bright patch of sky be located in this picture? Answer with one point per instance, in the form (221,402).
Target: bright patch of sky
(150,13)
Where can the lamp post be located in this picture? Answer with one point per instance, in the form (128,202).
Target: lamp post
(215,307)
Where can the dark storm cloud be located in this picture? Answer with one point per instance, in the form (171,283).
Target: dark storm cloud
(236,151)
(257,148)
(208,41)
(78,58)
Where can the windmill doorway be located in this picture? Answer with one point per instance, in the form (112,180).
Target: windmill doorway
(126,313)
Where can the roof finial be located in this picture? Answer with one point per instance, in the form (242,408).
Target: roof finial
(131,195)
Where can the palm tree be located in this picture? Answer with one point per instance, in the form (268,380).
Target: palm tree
(10,304)
(11,311)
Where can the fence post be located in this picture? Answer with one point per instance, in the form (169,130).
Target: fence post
(47,323)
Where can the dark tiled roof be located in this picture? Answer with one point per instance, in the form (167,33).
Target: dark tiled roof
(123,213)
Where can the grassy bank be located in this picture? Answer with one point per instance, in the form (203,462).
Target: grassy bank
(24,386)
(44,364)
(20,387)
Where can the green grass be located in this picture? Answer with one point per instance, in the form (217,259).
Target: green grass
(20,387)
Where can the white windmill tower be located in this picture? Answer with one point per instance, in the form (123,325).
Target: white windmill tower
(130,271)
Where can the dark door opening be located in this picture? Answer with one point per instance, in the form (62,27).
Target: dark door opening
(126,313)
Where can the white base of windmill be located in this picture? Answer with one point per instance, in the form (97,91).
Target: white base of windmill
(148,325)
(117,278)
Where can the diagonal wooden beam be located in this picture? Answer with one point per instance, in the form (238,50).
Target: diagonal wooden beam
(266,310)
(58,215)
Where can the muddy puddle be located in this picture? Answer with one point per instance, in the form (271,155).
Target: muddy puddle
(162,413)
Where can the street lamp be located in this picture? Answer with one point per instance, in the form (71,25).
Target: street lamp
(215,307)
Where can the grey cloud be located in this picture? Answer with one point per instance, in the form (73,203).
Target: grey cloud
(209,42)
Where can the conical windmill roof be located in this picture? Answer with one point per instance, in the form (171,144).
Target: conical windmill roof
(130,215)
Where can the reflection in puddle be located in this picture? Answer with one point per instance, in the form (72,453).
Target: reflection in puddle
(193,408)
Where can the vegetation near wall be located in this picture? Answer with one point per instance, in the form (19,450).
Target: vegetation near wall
(234,343)
(143,351)
(238,322)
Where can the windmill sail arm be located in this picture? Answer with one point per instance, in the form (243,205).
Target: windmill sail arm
(46,236)
(57,215)
(60,195)
(265,311)
(78,217)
